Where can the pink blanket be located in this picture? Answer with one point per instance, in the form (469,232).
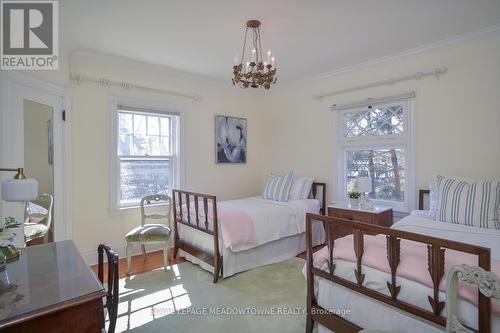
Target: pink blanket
(413,263)
(237,227)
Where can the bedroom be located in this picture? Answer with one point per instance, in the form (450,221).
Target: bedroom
(183,54)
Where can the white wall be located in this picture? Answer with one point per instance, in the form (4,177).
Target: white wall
(93,222)
(457,116)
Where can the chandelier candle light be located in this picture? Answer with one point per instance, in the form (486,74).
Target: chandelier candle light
(255,72)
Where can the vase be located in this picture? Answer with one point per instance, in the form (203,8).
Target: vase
(354,203)
(4,278)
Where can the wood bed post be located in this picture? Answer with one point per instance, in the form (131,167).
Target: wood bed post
(217,260)
(176,231)
(483,302)
(310,279)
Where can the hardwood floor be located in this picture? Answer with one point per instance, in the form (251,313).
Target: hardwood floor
(154,261)
(139,265)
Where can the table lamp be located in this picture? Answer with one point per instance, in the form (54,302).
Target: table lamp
(365,186)
(19,188)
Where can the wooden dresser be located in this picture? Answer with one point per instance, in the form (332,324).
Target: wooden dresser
(49,288)
(378,215)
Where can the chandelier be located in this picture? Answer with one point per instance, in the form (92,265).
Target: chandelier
(256,71)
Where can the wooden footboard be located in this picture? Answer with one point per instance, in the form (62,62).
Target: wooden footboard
(436,257)
(200,221)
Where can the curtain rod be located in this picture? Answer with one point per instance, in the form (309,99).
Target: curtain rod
(416,76)
(126,85)
(372,101)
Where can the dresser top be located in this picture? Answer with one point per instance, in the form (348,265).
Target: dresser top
(44,277)
(345,205)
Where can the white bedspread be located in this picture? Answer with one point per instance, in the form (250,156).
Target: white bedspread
(275,220)
(369,313)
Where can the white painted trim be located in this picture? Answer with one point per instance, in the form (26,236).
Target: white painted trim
(407,141)
(154,106)
(65,95)
(479,34)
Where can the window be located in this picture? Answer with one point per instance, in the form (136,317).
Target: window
(146,155)
(375,141)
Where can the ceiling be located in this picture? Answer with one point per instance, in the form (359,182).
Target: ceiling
(308,38)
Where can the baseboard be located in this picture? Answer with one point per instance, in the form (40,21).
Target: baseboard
(90,256)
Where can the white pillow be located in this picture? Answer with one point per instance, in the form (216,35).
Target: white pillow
(472,203)
(277,188)
(296,190)
(307,188)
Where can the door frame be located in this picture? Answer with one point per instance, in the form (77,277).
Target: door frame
(9,93)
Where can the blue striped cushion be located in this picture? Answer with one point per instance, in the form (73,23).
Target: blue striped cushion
(278,187)
(472,203)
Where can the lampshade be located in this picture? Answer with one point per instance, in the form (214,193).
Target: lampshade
(364,184)
(19,189)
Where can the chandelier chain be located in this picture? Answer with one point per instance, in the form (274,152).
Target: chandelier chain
(244,46)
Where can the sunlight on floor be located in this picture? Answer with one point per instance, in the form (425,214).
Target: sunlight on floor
(138,306)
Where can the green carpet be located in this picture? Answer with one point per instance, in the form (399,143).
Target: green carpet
(161,301)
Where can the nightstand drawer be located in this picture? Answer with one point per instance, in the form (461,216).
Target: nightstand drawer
(351,215)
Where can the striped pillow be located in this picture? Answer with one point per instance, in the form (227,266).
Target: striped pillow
(472,203)
(278,187)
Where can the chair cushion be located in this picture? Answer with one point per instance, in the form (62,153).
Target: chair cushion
(34,230)
(149,233)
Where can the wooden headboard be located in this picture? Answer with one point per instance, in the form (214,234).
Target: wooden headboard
(421,198)
(314,192)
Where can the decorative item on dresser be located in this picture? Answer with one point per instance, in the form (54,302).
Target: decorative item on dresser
(378,215)
(197,229)
(112,286)
(151,233)
(398,259)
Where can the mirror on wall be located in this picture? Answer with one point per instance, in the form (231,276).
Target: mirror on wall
(39,164)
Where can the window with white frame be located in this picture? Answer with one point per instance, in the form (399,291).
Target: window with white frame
(376,141)
(146,155)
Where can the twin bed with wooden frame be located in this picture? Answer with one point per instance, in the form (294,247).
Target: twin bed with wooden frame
(394,303)
(280,229)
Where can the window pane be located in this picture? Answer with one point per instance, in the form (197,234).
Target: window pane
(165,145)
(386,167)
(139,178)
(374,121)
(165,126)
(153,125)
(153,145)
(125,123)
(125,144)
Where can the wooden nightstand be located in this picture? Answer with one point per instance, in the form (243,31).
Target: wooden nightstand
(378,215)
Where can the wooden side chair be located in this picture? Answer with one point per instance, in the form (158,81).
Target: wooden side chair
(112,292)
(151,233)
(37,225)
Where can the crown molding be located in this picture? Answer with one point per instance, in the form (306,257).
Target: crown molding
(105,58)
(226,84)
(483,33)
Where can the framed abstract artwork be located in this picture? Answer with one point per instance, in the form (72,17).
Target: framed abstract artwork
(231,140)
